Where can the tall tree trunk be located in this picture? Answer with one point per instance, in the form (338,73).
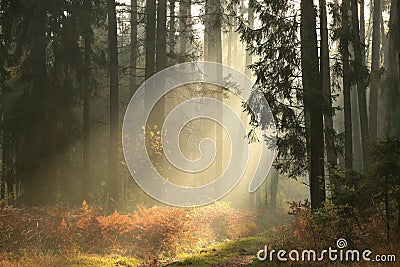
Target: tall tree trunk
(312,101)
(392,119)
(161,45)
(274,187)
(184,12)
(382,90)
(87,82)
(213,52)
(7,162)
(326,88)
(212,34)
(249,57)
(361,85)
(172,27)
(114,120)
(348,128)
(362,30)
(229,41)
(150,37)
(134,47)
(375,66)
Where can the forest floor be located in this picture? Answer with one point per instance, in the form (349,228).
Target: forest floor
(241,252)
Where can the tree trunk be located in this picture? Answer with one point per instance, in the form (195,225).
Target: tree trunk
(213,52)
(326,88)
(86,100)
(184,12)
(150,37)
(362,30)
(114,120)
(134,47)
(172,29)
(392,126)
(313,101)
(274,188)
(249,57)
(212,31)
(348,128)
(361,85)
(7,163)
(161,45)
(375,66)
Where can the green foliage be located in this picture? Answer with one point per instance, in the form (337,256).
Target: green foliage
(277,47)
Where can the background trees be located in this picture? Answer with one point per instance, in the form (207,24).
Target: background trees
(70,67)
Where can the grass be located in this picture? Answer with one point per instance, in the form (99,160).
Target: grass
(240,252)
(39,260)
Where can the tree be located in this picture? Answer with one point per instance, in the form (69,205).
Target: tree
(249,59)
(274,188)
(172,27)
(212,31)
(392,124)
(326,88)
(348,128)
(375,66)
(87,90)
(134,49)
(312,101)
(361,85)
(150,37)
(161,46)
(113,154)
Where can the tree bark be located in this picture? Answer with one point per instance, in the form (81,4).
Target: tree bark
(134,49)
(87,82)
(313,101)
(172,29)
(150,37)
(348,128)
(184,10)
(274,188)
(392,126)
(249,57)
(375,66)
(114,120)
(326,88)
(161,45)
(361,85)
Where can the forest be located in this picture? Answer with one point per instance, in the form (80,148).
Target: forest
(199,132)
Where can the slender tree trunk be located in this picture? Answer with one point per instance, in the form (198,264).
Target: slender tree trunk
(392,126)
(184,8)
(114,120)
(373,97)
(150,37)
(249,57)
(134,49)
(274,187)
(213,52)
(312,101)
(7,163)
(361,85)
(348,128)
(161,45)
(212,35)
(86,100)
(362,30)
(326,88)
(229,54)
(172,29)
